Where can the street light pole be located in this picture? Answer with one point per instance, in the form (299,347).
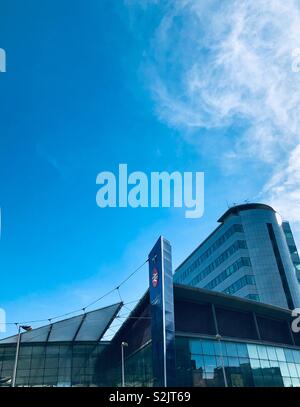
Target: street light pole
(219,337)
(26,328)
(123,345)
(13,382)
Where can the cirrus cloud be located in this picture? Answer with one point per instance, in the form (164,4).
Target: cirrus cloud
(219,64)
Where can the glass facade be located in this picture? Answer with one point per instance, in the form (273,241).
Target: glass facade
(240,283)
(138,369)
(200,361)
(243,261)
(53,364)
(236,246)
(201,258)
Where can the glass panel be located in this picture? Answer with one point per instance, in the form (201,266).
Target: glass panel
(242,350)
(295,382)
(208,347)
(36,335)
(233,361)
(51,362)
(65,330)
(264,363)
(288,355)
(196,346)
(95,323)
(210,363)
(287,382)
(255,363)
(292,370)
(271,353)
(220,348)
(296,355)
(25,350)
(284,369)
(274,363)
(197,361)
(24,363)
(244,361)
(262,352)
(231,349)
(252,350)
(280,354)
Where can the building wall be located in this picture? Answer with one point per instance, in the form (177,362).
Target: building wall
(247,256)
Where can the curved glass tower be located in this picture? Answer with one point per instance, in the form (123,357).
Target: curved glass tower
(248,256)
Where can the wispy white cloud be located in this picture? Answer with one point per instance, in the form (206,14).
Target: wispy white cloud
(283,189)
(217,64)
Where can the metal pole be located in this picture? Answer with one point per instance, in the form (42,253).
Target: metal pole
(218,337)
(123,344)
(123,367)
(13,382)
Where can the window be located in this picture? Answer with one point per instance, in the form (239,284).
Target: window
(243,261)
(252,350)
(271,353)
(182,274)
(208,347)
(242,282)
(239,244)
(253,297)
(196,347)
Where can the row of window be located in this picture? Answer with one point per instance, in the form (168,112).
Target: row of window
(293,249)
(239,244)
(199,363)
(218,243)
(37,364)
(254,297)
(243,261)
(242,282)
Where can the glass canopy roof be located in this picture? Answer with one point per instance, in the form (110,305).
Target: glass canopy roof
(90,326)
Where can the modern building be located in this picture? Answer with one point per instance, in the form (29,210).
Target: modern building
(62,354)
(177,335)
(218,339)
(251,254)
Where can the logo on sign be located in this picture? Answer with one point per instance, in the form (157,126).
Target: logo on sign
(154,277)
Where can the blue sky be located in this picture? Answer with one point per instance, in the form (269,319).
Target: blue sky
(93,84)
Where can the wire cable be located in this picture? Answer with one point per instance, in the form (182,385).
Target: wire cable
(117,288)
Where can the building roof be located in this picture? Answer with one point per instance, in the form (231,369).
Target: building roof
(235,210)
(90,326)
(196,294)
(191,294)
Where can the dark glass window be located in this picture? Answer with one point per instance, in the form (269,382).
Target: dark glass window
(201,320)
(274,330)
(236,324)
